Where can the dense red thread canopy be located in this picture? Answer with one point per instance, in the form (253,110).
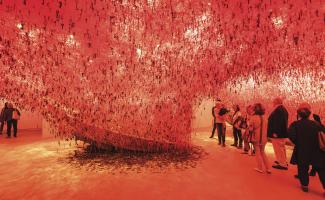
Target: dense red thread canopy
(117,70)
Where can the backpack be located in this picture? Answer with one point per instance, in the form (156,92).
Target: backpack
(223,111)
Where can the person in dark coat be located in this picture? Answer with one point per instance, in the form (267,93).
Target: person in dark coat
(15,117)
(214,124)
(319,121)
(2,120)
(277,132)
(304,134)
(11,120)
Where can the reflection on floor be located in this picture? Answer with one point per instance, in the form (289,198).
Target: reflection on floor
(36,168)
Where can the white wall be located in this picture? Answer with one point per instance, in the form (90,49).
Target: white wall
(202,118)
(202,115)
(30,120)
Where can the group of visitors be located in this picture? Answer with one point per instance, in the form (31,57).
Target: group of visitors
(9,116)
(249,134)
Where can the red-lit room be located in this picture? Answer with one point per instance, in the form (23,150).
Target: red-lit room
(162,99)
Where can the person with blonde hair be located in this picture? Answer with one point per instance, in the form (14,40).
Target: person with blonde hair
(259,138)
(277,132)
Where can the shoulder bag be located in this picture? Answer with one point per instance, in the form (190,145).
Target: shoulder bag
(321,138)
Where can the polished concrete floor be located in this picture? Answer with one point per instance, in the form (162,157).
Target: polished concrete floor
(32,167)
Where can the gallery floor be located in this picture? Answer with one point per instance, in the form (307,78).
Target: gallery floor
(32,167)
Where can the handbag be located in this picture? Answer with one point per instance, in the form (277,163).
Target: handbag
(261,130)
(15,115)
(248,135)
(321,139)
(252,134)
(223,111)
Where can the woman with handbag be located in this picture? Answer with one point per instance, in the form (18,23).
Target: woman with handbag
(245,130)
(259,138)
(236,120)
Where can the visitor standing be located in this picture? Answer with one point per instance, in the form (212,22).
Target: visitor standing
(15,117)
(219,112)
(215,110)
(221,124)
(236,118)
(304,134)
(2,120)
(259,138)
(245,129)
(319,121)
(277,132)
(11,116)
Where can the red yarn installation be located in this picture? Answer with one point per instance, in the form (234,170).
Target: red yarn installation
(112,70)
